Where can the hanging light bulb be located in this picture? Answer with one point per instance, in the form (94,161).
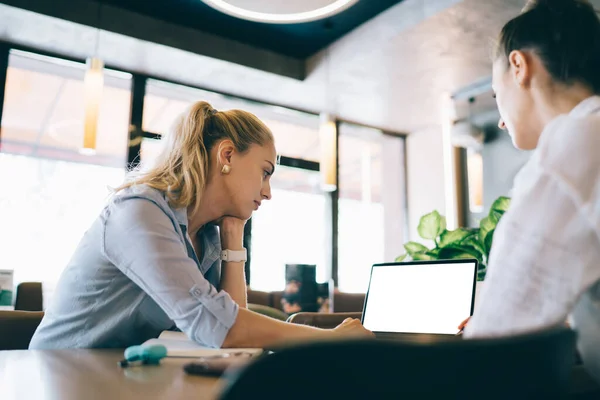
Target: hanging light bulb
(93,85)
(328,138)
(328,161)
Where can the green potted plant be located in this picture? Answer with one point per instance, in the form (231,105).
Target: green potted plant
(458,243)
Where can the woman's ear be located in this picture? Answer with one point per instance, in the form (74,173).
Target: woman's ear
(520,68)
(225,151)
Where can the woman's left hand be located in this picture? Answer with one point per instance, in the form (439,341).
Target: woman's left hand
(462,326)
(232,224)
(232,232)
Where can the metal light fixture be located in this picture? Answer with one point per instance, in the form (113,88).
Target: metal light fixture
(328,161)
(282,12)
(93,85)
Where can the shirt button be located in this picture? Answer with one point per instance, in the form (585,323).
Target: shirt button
(197,292)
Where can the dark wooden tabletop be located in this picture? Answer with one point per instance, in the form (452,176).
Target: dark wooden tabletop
(95,374)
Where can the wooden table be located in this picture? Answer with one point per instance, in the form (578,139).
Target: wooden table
(94,374)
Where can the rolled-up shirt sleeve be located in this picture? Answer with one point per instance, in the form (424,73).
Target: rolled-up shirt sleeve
(143,242)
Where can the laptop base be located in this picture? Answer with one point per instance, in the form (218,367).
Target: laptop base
(422,338)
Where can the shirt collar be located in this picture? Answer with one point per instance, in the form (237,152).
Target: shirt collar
(213,242)
(181,216)
(210,234)
(586,107)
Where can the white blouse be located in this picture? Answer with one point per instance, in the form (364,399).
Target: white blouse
(545,261)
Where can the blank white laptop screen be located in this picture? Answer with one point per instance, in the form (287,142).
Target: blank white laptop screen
(419,298)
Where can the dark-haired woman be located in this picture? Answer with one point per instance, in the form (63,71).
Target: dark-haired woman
(545,261)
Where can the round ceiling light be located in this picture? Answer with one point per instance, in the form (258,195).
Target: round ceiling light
(281,12)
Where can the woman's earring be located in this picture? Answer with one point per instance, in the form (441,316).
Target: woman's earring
(226,169)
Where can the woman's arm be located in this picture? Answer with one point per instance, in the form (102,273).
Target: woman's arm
(255,330)
(140,240)
(543,257)
(233,281)
(158,263)
(233,276)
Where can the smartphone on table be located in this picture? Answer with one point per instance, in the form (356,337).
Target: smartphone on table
(216,366)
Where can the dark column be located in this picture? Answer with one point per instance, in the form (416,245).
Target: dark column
(136,134)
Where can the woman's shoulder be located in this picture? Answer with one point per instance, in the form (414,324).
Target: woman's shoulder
(571,142)
(142,205)
(142,192)
(138,197)
(569,152)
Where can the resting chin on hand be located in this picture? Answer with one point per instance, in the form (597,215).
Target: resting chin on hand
(233,277)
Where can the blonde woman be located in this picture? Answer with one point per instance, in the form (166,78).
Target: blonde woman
(167,250)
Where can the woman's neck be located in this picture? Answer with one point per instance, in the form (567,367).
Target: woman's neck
(562,100)
(208,211)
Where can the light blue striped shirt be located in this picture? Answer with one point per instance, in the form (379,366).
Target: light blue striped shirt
(135,274)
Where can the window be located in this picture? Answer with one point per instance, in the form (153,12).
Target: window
(296,133)
(371,219)
(291,227)
(55,192)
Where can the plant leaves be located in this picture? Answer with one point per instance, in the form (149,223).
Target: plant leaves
(489,240)
(442,225)
(486,225)
(471,241)
(413,247)
(474,246)
(453,237)
(481,274)
(431,225)
(422,257)
(433,253)
(401,258)
(453,252)
(495,215)
(500,205)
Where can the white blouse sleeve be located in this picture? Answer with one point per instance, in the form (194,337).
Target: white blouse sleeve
(543,258)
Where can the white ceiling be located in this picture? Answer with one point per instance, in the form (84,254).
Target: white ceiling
(400,82)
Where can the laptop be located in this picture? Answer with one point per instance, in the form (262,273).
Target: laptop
(420,301)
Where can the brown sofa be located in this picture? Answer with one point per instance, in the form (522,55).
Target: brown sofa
(17,328)
(342,302)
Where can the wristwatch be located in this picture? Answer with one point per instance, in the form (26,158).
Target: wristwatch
(233,255)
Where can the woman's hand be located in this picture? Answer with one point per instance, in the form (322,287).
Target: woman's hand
(232,233)
(462,326)
(352,327)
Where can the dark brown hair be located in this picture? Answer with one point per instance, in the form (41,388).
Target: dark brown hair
(565,34)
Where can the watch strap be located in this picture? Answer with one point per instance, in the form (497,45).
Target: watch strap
(234,255)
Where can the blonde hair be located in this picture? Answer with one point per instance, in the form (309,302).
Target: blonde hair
(181,169)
